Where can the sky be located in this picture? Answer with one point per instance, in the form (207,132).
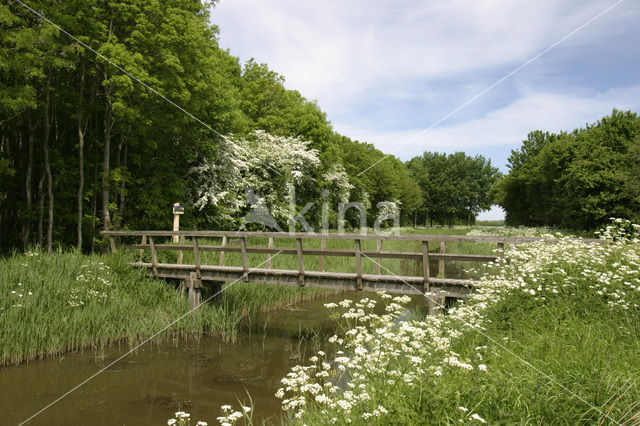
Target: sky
(412,76)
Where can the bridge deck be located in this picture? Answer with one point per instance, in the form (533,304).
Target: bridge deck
(330,280)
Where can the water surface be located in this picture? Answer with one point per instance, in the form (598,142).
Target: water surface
(149,385)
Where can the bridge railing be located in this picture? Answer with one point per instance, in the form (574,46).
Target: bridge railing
(244,243)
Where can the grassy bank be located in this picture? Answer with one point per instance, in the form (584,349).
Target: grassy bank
(552,339)
(53,303)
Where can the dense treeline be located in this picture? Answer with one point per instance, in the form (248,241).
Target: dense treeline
(455,187)
(137,107)
(575,180)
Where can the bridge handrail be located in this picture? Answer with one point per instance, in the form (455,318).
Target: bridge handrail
(352,236)
(238,242)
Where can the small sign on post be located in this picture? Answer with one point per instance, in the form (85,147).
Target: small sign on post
(177,211)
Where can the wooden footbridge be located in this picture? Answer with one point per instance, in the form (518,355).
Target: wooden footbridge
(257,253)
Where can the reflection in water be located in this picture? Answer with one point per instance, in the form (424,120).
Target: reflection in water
(148,386)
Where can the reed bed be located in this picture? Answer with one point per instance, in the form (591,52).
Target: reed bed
(65,301)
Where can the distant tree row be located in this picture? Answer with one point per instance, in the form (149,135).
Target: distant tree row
(578,179)
(455,187)
(86,146)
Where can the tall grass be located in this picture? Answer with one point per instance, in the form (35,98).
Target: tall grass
(53,303)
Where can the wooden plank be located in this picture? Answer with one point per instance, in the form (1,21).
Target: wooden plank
(223,244)
(332,252)
(330,280)
(443,249)
(323,247)
(378,258)
(425,266)
(300,261)
(154,259)
(269,245)
(245,262)
(196,257)
(358,250)
(351,236)
(209,273)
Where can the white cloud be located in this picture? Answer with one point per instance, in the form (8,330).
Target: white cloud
(340,52)
(503,127)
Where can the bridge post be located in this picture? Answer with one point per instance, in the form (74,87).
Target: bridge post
(154,258)
(323,247)
(501,255)
(378,260)
(143,241)
(196,257)
(182,241)
(194,290)
(436,301)
(443,248)
(245,262)
(223,244)
(269,245)
(300,261)
(358,263)
(426,288)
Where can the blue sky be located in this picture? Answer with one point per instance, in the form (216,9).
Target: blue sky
(384,71)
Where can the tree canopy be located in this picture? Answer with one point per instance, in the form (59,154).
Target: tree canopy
(578,179)
(454,187)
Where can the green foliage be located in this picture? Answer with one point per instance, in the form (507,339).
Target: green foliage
(454,186)
(575,180)
(388,180)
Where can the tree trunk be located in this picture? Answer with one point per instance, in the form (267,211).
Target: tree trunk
(26,229)
(122,185)
(94,207)
(115,193)
(81,133)
(469,217)
(108,125)
(47,164)
(41,209)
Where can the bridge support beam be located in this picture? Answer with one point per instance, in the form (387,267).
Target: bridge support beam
(194,285)
(436,301)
